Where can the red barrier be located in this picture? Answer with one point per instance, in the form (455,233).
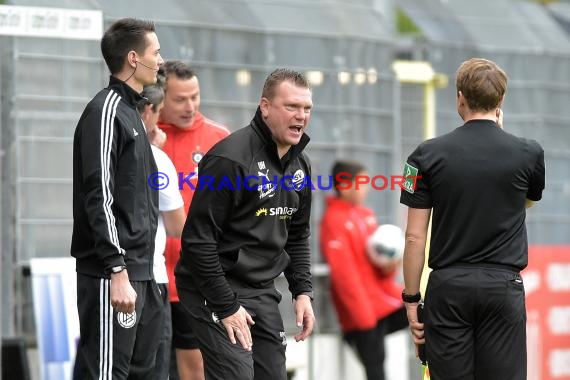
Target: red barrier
(547,285)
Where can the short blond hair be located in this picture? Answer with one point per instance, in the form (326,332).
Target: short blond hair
(281,75)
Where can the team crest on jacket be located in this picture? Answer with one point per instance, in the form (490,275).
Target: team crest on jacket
(298,179)
(197,156)
(127,320)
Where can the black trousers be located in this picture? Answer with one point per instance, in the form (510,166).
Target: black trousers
(475,324)
(115,345)
(224,360)
(369,344)
(162,366)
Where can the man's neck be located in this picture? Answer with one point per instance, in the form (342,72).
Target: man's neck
(282,150)
(480,115)
(127,76)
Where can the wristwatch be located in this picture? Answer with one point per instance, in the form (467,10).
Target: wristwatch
(407,298)
(118,269)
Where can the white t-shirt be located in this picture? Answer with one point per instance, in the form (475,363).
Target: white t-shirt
(169,199)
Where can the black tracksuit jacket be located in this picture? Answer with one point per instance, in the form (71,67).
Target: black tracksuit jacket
(243,228)
(115,212)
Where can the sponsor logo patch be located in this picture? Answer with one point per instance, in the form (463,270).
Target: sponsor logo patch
(281,212)
(410,174)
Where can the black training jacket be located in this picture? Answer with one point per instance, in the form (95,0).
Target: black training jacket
(249,219)
(115,212)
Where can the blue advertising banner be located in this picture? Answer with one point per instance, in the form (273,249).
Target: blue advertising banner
(57,324)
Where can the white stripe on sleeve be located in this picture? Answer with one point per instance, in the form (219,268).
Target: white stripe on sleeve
(107,130)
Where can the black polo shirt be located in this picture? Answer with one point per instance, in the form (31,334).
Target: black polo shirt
(476,178)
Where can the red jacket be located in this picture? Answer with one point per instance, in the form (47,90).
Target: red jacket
(186,147)
(362,295)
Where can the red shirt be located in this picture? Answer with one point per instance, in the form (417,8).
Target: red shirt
(186,147)
(362,295)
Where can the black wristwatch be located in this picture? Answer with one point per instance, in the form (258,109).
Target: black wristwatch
(414,298)
(118,269)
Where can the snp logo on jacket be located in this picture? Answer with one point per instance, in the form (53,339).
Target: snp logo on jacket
(283,212)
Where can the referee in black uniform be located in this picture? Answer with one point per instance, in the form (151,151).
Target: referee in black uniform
(115,215)
(478,180)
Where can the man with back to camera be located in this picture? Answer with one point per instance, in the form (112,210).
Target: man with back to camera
(189,136)
(479,180)
(240,236)
(115,215)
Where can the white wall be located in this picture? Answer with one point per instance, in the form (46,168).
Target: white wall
(333,360)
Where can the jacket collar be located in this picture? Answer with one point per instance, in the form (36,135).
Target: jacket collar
(127,92)
(265,133)
(336,201)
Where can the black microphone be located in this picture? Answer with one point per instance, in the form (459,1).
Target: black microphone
(148,67)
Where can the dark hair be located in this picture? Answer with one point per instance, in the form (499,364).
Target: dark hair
(482,82)
(179,69)
(345,169)
(123,36)
(152,94)
(282,75)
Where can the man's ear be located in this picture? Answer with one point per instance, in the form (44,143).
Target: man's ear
(460,98)
(501,101)
(132,59)
(264,107)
